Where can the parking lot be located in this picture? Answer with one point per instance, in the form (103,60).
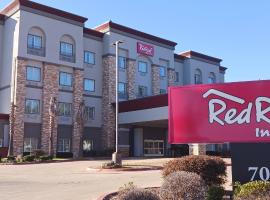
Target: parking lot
(71,180)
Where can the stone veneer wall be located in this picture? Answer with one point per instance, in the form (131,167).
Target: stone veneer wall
(19,100)
(50,89)
(131,74)
(171,76)
(77,126)
(155,79)
(108,94)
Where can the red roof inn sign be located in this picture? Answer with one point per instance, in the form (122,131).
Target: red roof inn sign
(145,49)
(217,113)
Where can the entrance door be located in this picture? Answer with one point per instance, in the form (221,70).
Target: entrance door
(153,147)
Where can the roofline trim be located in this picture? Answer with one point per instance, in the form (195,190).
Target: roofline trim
(110,24)
(43,8)
(191,54)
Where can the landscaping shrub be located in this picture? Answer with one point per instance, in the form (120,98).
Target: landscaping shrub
(212,169)
(110,165)
(215,193)
(64,155)
(255,190)
(38,153)
(19,158)
(131,192)
(11,158)
(28,158)
(183,186)
(45,158)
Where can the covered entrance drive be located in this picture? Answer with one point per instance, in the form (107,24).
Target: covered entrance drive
(147,122)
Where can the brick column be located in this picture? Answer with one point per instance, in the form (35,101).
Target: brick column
(50,89)
(155,80)
(131,73)
(77,100)
(108,111)
(197,149)
(171,76)
(19,100)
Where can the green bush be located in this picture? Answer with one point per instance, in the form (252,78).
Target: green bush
(45,158)
(110,165)
(212,169)
(215,193)
(28,158)
(11,158)
(183,186)
(38,153)
(255,190)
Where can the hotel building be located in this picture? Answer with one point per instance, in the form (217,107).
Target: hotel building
(53,68)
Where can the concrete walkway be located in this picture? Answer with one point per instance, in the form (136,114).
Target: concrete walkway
(71,180)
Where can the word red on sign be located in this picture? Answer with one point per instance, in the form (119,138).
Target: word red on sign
(217,113)
(145,49)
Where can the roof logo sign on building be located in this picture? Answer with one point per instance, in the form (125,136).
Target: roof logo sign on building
(145,49)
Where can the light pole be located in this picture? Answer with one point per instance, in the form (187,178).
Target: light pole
(116,157)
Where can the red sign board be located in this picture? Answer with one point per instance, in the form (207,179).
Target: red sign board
(145,49)
(217,113)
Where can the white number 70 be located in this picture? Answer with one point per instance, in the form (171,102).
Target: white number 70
(264,173)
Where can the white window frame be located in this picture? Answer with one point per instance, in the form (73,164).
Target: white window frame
(63,145)
(67,109)
(66,49)
(160,71)
(122,62)
(140,69)
(89,113)
(63,79)
(124,86)
(32,109)
(211,78)
(93,88)
(87,57)
(156,151)
(34,41)
(33,73)
(31,146)
(145,91)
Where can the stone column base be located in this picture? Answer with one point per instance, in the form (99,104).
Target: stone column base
(197,149)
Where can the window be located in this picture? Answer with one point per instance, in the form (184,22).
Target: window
(88,145)
(64,109)
(34,42)
(65,79)
(162,72)
(153,147)
(89,57)
(122,88)
(122,62)
(1,142)
(31,106)
(176,76)
(163,91)
(33,73)
(142,91)
(89,113)
(89,85)
(30,144)
(142,67)
(66,49)
(211,78)
(198,77)
(63,145)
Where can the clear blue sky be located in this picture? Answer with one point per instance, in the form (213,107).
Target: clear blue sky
(236,31)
